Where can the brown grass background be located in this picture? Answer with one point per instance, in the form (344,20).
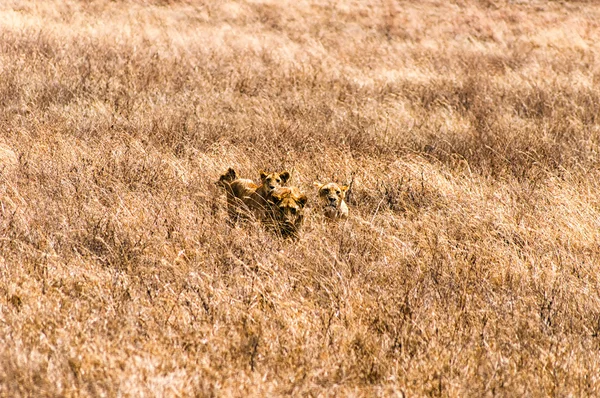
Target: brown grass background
(468,267)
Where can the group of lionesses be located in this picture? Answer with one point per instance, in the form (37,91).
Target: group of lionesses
(278,205)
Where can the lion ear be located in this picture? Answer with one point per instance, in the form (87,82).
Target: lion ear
(284,176)
(302,200)
(263,175)
(317,184)
(231,174)
(344,188)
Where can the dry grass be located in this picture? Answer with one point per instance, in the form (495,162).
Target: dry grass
(468,267)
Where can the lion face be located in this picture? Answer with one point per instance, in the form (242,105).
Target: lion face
(287,207)
(272,181)
(332,197)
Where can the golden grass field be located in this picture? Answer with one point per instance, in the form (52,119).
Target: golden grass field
(469,265)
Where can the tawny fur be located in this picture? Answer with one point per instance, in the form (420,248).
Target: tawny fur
(332,197)
(244,197)
(287,210)
(269,182)
(237,191)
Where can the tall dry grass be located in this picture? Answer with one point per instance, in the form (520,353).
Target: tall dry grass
(468,267)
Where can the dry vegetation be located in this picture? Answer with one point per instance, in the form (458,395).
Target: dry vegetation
(469,264)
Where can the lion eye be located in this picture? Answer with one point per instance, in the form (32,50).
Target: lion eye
(278,180)
(293,210)
(338,192)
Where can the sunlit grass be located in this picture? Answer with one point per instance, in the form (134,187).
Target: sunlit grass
(467,267)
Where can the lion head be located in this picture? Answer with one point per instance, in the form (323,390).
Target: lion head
(227,178)
(287,209)
(332,198)
(272,181)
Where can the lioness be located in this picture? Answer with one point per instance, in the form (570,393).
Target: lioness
(270,182)
(287,210)
(332,197)
(243,192)
(237,190)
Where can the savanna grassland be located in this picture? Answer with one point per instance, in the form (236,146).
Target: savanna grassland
(470,131)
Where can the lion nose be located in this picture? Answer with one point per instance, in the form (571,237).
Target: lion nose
(332,200)
(272,186)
